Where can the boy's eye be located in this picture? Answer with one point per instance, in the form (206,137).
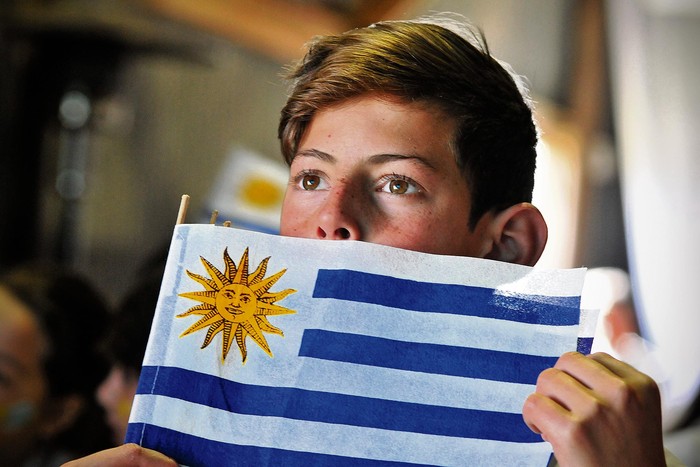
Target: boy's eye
(310,182)
(399,185)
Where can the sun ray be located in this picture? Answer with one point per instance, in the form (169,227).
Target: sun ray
(276,297)
(265,325)
(208,320)
(241,276)
(207,283)
(200,310)
(236,304)
(208,297)
(263,286)
(215,274)
(270,309)
(230,265)
(240,340)
(226,340)
(257,335)
(214,329)
(259,273)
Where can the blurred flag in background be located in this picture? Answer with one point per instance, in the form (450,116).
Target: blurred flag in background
(251,187)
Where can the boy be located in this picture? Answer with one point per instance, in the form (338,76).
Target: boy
(411,135)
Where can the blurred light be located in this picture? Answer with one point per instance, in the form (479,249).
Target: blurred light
(74,110)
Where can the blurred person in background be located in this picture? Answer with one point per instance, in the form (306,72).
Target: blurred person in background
(125,347)
(51,323)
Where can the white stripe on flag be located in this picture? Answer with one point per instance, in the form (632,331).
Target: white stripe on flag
(299,435)
(448,329)
(407,386)
(589,321)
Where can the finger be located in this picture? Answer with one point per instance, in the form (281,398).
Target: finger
(586,370)
(127,454)
(544,415)
(558,398)
(616,366)
(617,383)
(564,389)
(639,389)
(602,386)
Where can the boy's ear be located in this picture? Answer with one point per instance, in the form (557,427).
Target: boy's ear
(519,235)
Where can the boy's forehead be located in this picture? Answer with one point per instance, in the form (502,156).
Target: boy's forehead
(429,106)
(401,123)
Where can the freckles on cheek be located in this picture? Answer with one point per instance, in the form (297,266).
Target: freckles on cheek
(403,235)
(423,232)
(289,231)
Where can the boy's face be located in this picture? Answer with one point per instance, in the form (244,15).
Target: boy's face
(381,171)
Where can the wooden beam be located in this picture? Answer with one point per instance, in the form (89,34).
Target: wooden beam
(278,29)
(378,10)
(275,28)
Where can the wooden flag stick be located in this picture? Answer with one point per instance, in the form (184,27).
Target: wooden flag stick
(184,203)
(214,215)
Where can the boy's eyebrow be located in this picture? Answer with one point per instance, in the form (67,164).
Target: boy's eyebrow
(375,159)
(383,158)
(315,153)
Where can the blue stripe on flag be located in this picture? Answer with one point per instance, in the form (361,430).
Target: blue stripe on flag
(584,345)
(299,404)
(195,451)
(427,358)
(445,298)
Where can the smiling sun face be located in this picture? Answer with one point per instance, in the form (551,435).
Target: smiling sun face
(236,304)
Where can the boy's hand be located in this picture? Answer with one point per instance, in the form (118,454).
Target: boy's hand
(596,410)
(125,455)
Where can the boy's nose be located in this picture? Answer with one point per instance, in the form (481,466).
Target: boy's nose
(340,217)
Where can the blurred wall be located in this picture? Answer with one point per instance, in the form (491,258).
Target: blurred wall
(166,131)
(656,69)
(179,99)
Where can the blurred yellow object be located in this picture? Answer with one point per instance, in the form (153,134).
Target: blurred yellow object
(261,192)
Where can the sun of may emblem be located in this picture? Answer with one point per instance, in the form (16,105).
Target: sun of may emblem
(236,304)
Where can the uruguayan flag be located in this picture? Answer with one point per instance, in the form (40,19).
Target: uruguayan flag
(268,350)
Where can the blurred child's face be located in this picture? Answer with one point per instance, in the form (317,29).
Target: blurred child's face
(23,384)
(381,171)
(116,395)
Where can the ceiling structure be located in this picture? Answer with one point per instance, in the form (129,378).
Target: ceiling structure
(277,29)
